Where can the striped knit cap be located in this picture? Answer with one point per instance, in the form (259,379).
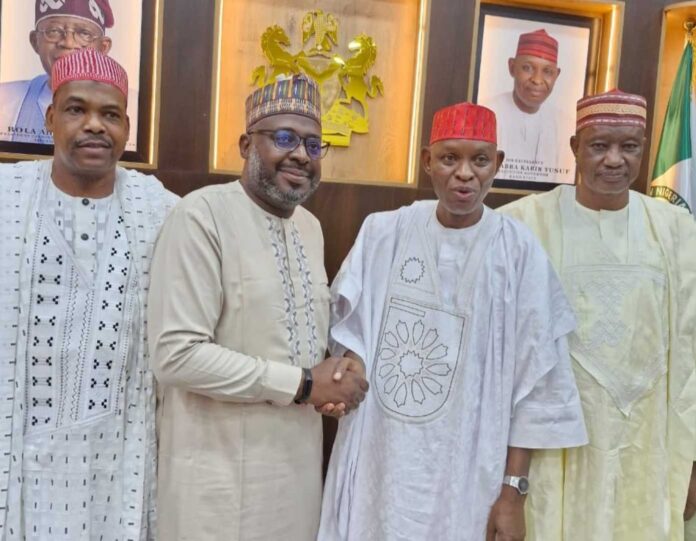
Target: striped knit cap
(464,121)
(613,108)
(539,44)
(297,95)
(89,65)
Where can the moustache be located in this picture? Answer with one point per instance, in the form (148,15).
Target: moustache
(93,141)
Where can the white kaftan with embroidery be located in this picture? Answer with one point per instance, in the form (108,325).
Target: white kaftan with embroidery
(77,397)
(463,333)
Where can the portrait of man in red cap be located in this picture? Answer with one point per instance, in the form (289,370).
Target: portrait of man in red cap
(527,71)
(60,27)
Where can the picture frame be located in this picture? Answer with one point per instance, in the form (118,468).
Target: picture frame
(535,115)
(385,150)
(21,69)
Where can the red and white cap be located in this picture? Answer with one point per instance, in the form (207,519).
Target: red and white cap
(464,121)
(613,108)
(89,65)
(95,11)
(539,44)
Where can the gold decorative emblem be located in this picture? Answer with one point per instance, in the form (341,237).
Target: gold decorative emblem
(345,84)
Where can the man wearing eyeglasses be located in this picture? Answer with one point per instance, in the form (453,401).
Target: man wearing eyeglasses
(239,322)
(62,26)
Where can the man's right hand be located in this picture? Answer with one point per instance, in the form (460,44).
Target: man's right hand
(349,389)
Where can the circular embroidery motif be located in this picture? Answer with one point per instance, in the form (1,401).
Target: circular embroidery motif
(412,270)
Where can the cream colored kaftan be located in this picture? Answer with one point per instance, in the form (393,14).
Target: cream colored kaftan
(240,304)
(631,277)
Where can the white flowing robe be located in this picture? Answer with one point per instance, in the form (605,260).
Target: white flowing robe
(78,401)
(241,306)
(631,277)
(536,145)
(459,370)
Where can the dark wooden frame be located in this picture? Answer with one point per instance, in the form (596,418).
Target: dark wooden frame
(145,154)
(541,16)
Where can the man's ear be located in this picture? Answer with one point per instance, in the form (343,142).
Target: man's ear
(34,40)
(426,159)
(244,145)
(499,158)
(511,66)
(104,45)
(574,145)
(50,112)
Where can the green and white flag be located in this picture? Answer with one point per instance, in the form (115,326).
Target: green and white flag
(674,176)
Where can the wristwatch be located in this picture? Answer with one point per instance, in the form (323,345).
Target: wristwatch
(306,386)
(521,484)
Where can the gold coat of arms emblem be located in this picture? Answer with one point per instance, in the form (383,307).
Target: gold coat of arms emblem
(346,82)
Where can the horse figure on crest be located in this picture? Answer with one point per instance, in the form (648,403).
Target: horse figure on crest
(354,72)
(274,43)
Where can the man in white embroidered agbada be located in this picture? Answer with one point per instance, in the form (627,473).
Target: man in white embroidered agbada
(530,123)
(77,403)
(628,266)
(239,322)
(462,324)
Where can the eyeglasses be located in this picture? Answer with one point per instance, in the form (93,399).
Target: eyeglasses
(56,34)
(288,140)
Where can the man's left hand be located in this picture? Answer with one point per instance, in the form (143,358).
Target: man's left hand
(506,520)
(690,508)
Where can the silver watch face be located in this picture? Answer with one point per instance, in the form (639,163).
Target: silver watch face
(523,485)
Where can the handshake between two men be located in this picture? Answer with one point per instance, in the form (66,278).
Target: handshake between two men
(338,385)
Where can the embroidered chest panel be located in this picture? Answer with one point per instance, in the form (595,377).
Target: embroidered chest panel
(287,261)
(417,355)
(79,331)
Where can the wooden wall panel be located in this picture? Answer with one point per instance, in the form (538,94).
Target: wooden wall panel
(341,208)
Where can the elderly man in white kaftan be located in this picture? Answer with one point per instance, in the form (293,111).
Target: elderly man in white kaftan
(628,265)
(78,401)
(531,124)
(239,326)
(461,322)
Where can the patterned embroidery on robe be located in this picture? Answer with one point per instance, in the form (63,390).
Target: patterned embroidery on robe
(77,352)
(417,356)
(281,256)
(307,293)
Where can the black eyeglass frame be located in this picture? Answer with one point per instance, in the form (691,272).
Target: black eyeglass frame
(300,141)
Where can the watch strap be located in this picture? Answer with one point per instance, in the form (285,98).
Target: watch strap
(515,481)
(306,386)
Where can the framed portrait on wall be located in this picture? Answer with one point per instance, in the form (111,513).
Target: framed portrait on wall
(531,68)
(35,33)
(368,59)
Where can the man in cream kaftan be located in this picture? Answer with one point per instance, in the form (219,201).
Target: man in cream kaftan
(463,335)
(630,273)
(223,466)
(239,320)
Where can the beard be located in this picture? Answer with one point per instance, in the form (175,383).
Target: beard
(261,181)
